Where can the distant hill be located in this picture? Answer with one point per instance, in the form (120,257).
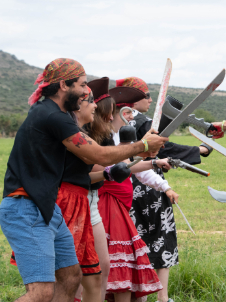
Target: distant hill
(17,79)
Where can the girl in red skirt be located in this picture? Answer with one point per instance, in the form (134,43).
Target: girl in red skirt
(132,276)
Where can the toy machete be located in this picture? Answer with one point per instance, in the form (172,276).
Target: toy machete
(217,195)
(208,141)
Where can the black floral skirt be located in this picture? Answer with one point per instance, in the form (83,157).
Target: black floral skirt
(152,214)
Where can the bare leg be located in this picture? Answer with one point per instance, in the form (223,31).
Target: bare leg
(102,252)
(91,288)
(123,297)
(163,274)
(68,280)
(38,292)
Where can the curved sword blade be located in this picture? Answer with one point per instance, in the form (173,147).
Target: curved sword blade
(217,195)
(208,141)
(193,105)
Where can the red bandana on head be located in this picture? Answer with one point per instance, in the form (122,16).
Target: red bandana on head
(133,82)
(59,69)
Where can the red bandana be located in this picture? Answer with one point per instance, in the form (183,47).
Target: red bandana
(133,82)
(59,69)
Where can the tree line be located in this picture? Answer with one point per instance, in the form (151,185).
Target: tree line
(9,124)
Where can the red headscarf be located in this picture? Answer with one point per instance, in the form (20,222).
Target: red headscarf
(133,82)
(59,69)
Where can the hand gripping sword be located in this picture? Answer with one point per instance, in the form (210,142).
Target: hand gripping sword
(160,102)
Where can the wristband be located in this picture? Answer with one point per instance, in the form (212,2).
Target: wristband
(144,141)
(107,174)
(222,126)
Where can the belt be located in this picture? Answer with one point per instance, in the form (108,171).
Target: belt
(19,196)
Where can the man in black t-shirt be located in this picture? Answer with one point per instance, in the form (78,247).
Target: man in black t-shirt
(29,217)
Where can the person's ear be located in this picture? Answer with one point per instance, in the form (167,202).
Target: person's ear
(63,85)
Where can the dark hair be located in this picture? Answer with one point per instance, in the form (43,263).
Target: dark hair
(100,129)
(73,116)
(52,89)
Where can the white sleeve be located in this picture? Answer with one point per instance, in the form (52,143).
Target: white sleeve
(153,180)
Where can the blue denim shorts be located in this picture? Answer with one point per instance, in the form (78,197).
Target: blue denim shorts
(39,249)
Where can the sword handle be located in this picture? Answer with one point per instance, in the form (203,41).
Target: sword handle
(211,128)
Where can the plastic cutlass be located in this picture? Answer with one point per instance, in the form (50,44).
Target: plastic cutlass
(208,141)
(180,118)
(159,104)
(162,95)
(171,112)
(217,195)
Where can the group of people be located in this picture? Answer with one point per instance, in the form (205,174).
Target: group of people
(81,224)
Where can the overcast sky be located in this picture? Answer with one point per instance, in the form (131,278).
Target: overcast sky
(121,38)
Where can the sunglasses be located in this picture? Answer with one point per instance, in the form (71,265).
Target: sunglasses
(90,99)
(148,96)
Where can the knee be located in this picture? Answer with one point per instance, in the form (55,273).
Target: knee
(42,293)
(47,295)
(71,277)
(76,275)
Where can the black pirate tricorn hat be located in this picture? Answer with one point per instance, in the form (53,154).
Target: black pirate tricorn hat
(126,96)
(99,88)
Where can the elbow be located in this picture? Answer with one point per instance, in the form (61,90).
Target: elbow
(103,161)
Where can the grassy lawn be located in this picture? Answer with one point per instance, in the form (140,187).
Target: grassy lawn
(202,271)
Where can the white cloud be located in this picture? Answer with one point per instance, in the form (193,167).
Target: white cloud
(100,5)
(111,55)
(11,27)
(120,38)
(147,44)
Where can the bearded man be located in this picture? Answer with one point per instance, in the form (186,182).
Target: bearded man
(29,218)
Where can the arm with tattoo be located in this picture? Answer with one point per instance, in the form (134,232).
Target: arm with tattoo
(83,146)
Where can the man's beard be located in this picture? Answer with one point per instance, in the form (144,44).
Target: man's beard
(71,104)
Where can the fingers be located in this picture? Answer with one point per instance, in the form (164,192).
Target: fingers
(152,130)
(175,197)
(166,166)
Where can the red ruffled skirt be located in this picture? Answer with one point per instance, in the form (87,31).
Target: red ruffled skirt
(74,206)
(130,268)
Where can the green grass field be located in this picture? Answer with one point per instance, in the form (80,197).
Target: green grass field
(201,274)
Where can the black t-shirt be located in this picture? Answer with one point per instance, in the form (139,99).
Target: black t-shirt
(36,162)
(77,171)
(190,155)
